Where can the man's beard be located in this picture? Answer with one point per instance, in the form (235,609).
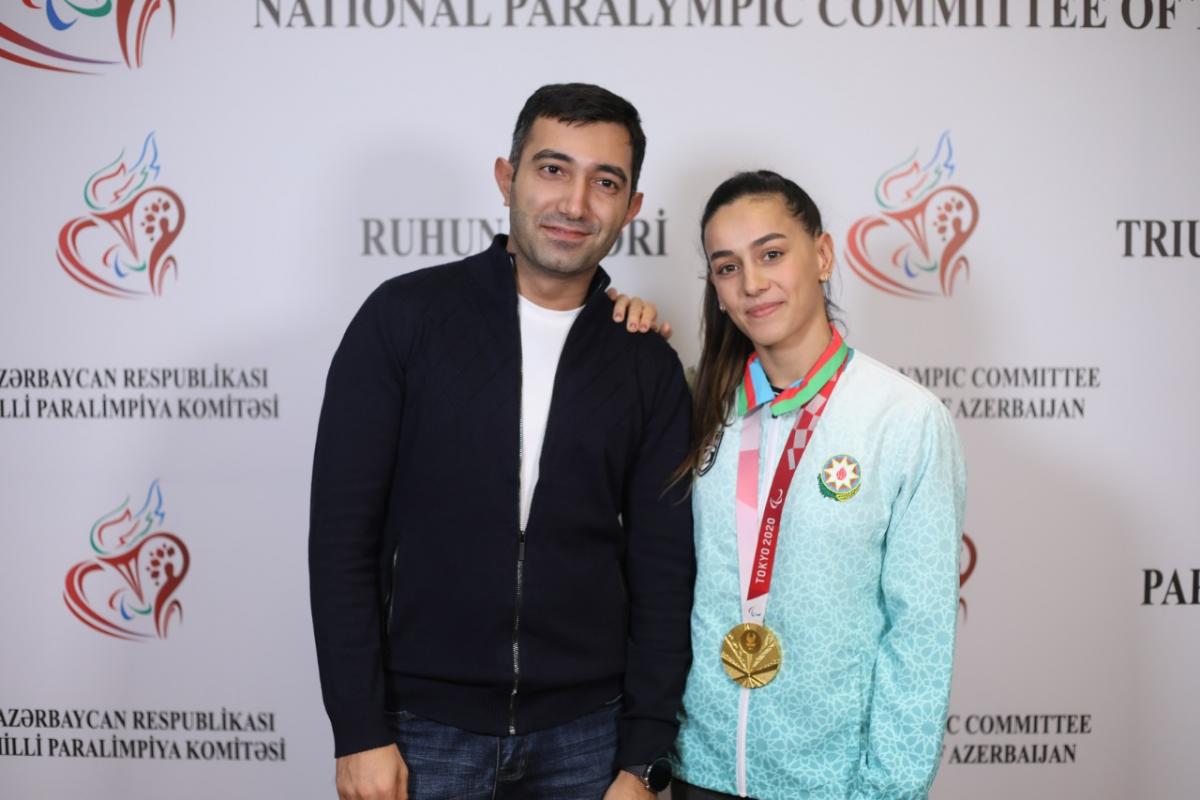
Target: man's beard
(545,256)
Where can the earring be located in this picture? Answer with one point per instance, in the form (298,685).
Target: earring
(721,307)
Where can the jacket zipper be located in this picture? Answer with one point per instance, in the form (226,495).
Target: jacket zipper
(391,596)
(516,645)
(516,641)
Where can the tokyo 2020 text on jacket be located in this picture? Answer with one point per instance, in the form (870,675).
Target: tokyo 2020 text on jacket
(426,595)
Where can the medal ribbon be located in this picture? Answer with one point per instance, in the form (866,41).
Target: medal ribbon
(757,543)
(756,384)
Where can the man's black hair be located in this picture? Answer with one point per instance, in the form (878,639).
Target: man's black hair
(580,104)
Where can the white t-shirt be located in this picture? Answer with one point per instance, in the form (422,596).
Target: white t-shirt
(543,333)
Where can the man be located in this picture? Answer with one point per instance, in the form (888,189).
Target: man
(501,578)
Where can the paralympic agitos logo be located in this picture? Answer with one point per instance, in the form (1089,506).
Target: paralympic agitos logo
(121,248)
(967,557)
(75,41)
(126,589)
(914,246)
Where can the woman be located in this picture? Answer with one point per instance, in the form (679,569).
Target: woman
(833,486)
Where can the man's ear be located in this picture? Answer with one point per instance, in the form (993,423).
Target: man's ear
(504,177)
(635,205)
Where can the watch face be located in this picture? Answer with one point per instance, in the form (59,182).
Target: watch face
(658,775)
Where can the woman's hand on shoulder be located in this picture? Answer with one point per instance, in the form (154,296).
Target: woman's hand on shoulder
(639,315)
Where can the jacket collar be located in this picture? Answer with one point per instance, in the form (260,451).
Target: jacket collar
(756,389)
(493,271)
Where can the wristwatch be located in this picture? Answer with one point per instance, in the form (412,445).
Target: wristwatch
(655,776)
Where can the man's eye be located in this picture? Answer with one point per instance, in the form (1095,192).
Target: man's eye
(552,169)
(607,183)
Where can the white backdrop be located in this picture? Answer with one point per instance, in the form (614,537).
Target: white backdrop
(286,145)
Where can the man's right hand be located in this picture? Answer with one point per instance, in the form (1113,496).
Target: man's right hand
(378,774)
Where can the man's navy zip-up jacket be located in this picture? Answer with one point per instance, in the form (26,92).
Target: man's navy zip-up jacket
(415,548)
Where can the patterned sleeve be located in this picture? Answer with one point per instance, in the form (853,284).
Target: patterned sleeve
(911,685)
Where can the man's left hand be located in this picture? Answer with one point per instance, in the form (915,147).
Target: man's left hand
(627,787)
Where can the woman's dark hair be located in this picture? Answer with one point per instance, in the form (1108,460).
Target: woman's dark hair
(725,349)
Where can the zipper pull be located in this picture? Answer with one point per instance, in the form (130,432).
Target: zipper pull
(521,547)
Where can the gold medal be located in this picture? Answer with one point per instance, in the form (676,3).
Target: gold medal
(751,655)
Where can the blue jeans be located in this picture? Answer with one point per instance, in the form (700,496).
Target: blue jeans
(573,761)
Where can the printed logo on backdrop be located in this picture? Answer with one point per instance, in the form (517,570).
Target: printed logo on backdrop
(1174,587)
(459,237)
(915,245)
(1159,238)
(121,247)
(967,557)
(126,589)
(103,392)
(736,14)
(1009,391)
(1016,738)
(82,36)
